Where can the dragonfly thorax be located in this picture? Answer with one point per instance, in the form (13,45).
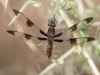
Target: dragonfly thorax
(51,33)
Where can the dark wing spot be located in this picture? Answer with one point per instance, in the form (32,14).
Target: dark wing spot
(88,20)
(59,34)
(11,32)
(29,23)
(43,33)
(73,40)
(90,39)
(41,38)
(58,40)
(16,11)
(27,36)
(73,28)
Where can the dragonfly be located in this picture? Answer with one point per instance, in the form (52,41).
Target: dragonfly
(50,36)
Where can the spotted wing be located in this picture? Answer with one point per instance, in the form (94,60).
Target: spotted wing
(80,25)
(74,40)
(28,22)
(25,35)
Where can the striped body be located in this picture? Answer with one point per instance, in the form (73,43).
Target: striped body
(49,50)
(50,34)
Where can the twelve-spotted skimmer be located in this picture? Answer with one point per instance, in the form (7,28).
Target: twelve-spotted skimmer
(50,36)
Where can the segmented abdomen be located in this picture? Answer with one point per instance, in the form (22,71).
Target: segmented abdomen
(49,50)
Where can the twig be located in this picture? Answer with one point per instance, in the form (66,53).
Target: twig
(6,4)
(91,63)
(57,8)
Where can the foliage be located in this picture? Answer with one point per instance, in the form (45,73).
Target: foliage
(34,3)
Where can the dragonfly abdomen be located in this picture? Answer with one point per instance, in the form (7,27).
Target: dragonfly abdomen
(49,49)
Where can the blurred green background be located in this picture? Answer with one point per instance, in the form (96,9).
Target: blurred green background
(21,57)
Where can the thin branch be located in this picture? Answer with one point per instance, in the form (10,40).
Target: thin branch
(57,7)
(91,63)
(95,24)
(6,4)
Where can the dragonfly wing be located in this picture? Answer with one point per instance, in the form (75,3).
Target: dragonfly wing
(25,35)
(80,25)
(27,22)
(74,40)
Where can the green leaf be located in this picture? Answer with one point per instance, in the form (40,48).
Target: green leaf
(65,4)
(78,49)
(68,4)
(58,62)
(34,3)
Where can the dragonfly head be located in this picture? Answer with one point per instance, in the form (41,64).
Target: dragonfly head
(52,22)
